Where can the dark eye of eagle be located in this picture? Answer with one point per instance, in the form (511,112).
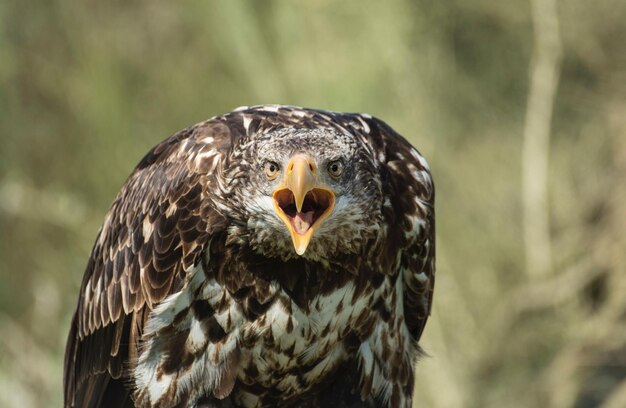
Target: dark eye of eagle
(271,170)
(335,168)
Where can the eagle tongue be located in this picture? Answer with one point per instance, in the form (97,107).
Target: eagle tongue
(302,221)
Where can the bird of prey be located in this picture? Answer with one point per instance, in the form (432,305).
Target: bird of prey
(271,256)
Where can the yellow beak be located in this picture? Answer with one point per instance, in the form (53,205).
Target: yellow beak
(302,202)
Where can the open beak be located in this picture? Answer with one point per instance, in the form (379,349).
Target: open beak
(302,202)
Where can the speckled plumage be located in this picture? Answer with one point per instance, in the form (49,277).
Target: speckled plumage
(194,296)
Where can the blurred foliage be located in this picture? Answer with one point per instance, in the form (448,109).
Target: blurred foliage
(86,88)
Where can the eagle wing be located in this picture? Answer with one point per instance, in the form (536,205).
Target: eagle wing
(407,255)
(409,209)
(409,214)
(154,233)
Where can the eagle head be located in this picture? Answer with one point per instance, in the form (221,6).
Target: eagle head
(314,193)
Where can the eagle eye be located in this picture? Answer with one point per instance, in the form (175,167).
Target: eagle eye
(335,168)
(271,170)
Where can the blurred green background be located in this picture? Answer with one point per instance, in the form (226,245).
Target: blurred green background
(530,301)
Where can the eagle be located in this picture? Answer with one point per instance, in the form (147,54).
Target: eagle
(271,256)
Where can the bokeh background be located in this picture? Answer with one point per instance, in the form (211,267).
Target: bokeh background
(519,106)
